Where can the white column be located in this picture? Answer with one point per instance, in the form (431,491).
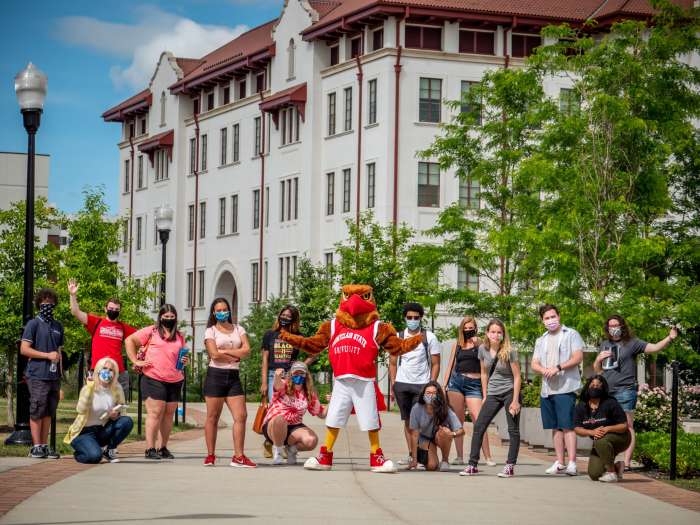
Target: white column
(451,37)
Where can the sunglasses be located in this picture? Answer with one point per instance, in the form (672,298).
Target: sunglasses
(413,317)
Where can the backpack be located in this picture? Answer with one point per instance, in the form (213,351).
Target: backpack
(424,336)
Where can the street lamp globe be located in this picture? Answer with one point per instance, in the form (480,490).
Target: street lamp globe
(30,87)
(164,218)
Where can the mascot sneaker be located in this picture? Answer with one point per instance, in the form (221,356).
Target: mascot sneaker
(324,461)
(377,463)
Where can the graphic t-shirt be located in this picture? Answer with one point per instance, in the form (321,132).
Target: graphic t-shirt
(421,421)
(281,353)
(623,375)
(225,341)
(162,354)
(107,339)
(608,413)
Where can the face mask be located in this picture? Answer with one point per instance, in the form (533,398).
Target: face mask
(615,331)
(112,314)
(298,380)
(552,325)
(595,393)
(283,321)
(46,311)
(429,398)
(413,324)
(221,316)
(106,375)
(168,323)
(468,334)
(495,338)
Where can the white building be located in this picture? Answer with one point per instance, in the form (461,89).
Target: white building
(340,96)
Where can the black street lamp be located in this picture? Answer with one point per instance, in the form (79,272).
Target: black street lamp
(164,222)
(30,88)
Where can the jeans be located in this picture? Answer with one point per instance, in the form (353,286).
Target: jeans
(88,445)
(491,406)
(604,451)
(627,398)
(270,384)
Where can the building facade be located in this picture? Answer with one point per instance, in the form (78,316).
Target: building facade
(265,147)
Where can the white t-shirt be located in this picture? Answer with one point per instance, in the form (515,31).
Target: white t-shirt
(412,366)
(102,401)
(225,341)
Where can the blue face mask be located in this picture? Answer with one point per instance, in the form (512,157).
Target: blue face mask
(106,375)
(298,380)
(221,316)
(413,324)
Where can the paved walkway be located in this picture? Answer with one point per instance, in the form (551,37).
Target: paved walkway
(182,491)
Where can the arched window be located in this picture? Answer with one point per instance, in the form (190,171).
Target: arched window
(162,108)
(290,58)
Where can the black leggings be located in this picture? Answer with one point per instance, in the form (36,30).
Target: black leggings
(489,409)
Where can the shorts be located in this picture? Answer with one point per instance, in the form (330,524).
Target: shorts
(160,390)
(43,397)
(557,411)
(406,395)
(290,429)
(627,398)
(348,393)
(467,386)
(222,382)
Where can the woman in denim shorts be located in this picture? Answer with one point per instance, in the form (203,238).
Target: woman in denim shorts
(463,380)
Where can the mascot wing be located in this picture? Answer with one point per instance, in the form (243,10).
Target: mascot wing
(312,345)
(392,343)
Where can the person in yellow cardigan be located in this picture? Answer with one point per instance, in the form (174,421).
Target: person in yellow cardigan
(99,427)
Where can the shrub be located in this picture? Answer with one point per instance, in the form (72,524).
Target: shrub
(531,392)
(654,450)
(653,412)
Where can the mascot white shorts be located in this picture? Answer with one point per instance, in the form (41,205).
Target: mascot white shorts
(347,393)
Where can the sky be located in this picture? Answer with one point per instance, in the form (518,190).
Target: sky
(95,55)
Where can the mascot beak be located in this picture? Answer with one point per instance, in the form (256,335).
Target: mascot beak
(355,305)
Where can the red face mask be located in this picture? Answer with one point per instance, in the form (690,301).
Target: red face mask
(356,305)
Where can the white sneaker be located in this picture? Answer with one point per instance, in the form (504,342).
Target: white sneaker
(444,466)
(556,468)
(406,461)
(571,469)
(490,462)
(457,461)
(111,455)
(608,477)
(620,469)
(292,455)
(277,458)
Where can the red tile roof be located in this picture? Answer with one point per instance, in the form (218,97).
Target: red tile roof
(295,95)
(139,103)
(323,7)
(188,64)
(632,7)
(164,139)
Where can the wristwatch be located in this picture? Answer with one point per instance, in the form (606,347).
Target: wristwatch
(559,367)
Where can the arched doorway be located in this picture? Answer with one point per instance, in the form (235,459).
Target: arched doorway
(226,287)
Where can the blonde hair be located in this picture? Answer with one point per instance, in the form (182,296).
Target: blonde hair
(115,368)
(460,330)
(505,347)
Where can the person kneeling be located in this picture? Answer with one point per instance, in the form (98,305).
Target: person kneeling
(283,424)
(433,426)
(99,427)
(601,417)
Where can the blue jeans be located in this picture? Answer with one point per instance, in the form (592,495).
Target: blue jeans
(627,398)
(88,445)
(467,386)
(270,383)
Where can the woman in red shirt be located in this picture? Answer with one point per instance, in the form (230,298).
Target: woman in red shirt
(283,424)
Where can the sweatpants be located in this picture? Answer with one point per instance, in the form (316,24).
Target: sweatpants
(604,451)
(491,406)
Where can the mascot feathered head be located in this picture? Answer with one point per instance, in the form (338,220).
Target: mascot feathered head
(357,308)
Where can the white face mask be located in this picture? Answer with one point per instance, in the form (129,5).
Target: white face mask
(615,331)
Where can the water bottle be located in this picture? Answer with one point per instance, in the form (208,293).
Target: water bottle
(182,353)
(610,362)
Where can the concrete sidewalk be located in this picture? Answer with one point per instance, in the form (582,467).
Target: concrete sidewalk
(183,491)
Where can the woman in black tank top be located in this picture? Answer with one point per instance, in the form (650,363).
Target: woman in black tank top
(463,383)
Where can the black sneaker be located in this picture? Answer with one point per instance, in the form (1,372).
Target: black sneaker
(51,453)
(165,453)
(111,455)
(151,453)
(37,452)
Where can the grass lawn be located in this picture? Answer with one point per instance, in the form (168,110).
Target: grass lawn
(688,484)
(64,418)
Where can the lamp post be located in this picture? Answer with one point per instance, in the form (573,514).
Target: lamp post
(164,222)
(30,88)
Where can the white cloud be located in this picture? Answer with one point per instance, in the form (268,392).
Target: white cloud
(142,43)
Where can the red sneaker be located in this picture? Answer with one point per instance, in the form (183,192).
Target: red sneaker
(378,463)
(242,462)
(210,460)
(324,461)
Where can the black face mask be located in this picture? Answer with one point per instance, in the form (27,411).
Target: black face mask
(168,323)
(284,322)
(595,393)
(113,314)
(468,334)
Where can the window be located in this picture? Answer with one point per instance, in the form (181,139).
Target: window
(430,100)
(289,125)
(467,280)
(356,47)
(295,186)
(222,216)
(139,178)
(372,88)
(469,194)
(267,206)
(258,136)
(143,126)
(226,95)
(346,190)
(234,214)
(428,184)
(126,176)
(200,289)
(281,274)
(241,89)
(195,106)
(190,222)
(330,193)
(125,236)
(190,289)
(329,260)
(203,142)
(370,184)
(161,159)
(289,199)
(377,39)
(424,37)
(210,101)
(256,209)
(260,82)
(287,274)
(139,226)
(236,142)
(202,220)
(479,42)
(348,109)
(523,45)
(474,110)
(290,58)
(265,282)
(254,281)
(224,145)
(163,101)
(193,155)
(331,114)
(132,129)
(335,54)
(569,101)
